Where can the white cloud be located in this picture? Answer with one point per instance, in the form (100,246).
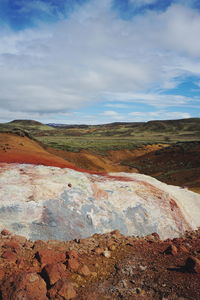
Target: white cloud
(117,105)
(113,115)
(94,56)
(155,99)
(158,115)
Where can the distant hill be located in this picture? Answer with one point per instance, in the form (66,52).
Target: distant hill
(26,122)
(103,137)
(123,146)
(154,125)
(32,127)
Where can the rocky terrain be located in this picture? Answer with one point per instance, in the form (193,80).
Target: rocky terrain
(177,164)
(42,202)
(109,266)
(69,233)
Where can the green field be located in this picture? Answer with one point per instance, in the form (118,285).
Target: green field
(97,144)
(101,138)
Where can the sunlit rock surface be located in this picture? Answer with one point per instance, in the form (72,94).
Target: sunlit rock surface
(51,203)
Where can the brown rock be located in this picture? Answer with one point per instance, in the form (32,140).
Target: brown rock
(39,245)
(19,239)
(116,233)
(12,244)
(111,247)
(107,254)
(99,250)
(28,244)
(54,272)
(84,270)
(73,264)
(9,255)
(2,274)
(28,286)
(152,237)
(21,263)
(50,256)
(156,236)
(183,249)
(64,289)
(192,264)
(5,232)
(72,254)
(171,249)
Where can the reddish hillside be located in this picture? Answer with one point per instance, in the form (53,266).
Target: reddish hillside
(18,149)
(177,164)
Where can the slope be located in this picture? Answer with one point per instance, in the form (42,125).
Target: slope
(21,149)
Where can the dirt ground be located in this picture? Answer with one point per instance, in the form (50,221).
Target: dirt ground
(109,266)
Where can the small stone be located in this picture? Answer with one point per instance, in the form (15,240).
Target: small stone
(111,247)
(171,249)
(143,268)
(62,290)
(72,254)
(19,239)
(73,264)
(192,264)
(5,232)
(94,274)
(84,270)
(156,236)
(124,282)
(99,250)
(107,254)
(54,272)
(28,244)
(116,233)
(12,245)
(35,263)
(39,245)
(20,263)
(183,249)
(49,256)
(9,255)
(130,243)
(2,274)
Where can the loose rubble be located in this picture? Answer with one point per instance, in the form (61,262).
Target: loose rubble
(103,266)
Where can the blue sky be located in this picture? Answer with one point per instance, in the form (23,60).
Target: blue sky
(91,61)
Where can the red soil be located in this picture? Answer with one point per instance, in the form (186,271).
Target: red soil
(111,162)
(17,149)
(107,267)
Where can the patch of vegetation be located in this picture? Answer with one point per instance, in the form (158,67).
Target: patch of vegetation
(98,144)
(114,136)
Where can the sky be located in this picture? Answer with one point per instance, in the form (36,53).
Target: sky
(99,61)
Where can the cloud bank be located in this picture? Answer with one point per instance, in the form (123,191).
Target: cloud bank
(93,56)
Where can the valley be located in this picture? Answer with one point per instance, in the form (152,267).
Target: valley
(100,212)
